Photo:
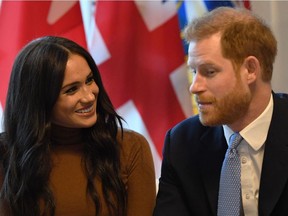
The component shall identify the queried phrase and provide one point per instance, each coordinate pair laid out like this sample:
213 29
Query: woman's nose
87 95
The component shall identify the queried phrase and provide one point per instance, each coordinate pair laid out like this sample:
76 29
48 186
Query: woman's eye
89 80
71 90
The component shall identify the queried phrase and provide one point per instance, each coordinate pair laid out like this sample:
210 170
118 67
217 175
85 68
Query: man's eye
210 72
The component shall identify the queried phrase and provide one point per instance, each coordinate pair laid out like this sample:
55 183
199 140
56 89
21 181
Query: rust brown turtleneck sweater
68 181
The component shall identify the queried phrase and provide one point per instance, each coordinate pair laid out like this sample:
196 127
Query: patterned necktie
229 200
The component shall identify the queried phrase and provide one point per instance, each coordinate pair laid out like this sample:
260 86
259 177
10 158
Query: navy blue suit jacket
192 160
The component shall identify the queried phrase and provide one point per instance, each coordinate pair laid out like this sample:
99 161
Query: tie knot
234 141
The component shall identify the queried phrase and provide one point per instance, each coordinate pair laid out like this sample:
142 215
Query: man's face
221 95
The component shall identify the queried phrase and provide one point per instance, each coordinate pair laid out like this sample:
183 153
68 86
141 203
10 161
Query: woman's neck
66 136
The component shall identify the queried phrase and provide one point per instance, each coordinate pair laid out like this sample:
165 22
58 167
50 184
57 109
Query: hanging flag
22 21
142 63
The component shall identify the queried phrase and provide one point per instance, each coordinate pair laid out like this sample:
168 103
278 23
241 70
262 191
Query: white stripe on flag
194 9
180 83
59 9
156 13
94 39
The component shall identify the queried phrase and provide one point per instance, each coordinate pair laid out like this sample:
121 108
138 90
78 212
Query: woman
63 150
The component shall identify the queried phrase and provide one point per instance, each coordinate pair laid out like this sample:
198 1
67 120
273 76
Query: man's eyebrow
194 64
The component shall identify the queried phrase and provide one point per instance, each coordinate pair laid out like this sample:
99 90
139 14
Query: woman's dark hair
36 79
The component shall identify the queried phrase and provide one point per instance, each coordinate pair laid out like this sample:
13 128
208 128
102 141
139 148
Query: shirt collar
256 132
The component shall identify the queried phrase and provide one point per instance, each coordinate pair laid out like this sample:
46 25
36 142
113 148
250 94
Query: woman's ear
252 66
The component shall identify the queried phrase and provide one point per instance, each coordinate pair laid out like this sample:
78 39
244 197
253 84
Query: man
231 53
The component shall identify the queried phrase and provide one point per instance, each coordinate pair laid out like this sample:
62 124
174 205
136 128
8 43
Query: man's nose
198 84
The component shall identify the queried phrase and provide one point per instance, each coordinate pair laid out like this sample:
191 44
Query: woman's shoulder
131 139
132 142
129 134
135 155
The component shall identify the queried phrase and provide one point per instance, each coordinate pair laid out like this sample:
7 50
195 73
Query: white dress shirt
251 151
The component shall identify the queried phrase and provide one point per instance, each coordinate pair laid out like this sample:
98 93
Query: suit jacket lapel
275 162
213 150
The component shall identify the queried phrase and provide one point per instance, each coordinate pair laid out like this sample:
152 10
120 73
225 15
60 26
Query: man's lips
204 104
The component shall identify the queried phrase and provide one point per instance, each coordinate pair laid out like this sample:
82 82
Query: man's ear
252 66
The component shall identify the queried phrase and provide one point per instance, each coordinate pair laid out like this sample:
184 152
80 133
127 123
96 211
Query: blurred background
138 47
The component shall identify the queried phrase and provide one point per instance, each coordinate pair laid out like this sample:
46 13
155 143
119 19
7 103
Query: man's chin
206 121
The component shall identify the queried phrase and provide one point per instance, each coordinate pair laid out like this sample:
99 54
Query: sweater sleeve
139 174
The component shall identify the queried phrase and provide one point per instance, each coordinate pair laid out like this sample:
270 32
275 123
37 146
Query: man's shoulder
281 104
192 130
190 126
280 98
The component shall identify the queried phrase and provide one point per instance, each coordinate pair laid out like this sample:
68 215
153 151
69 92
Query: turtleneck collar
66 136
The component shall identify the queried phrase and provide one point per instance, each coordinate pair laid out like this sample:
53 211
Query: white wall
276 15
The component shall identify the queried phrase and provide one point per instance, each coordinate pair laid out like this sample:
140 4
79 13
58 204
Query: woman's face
77 101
